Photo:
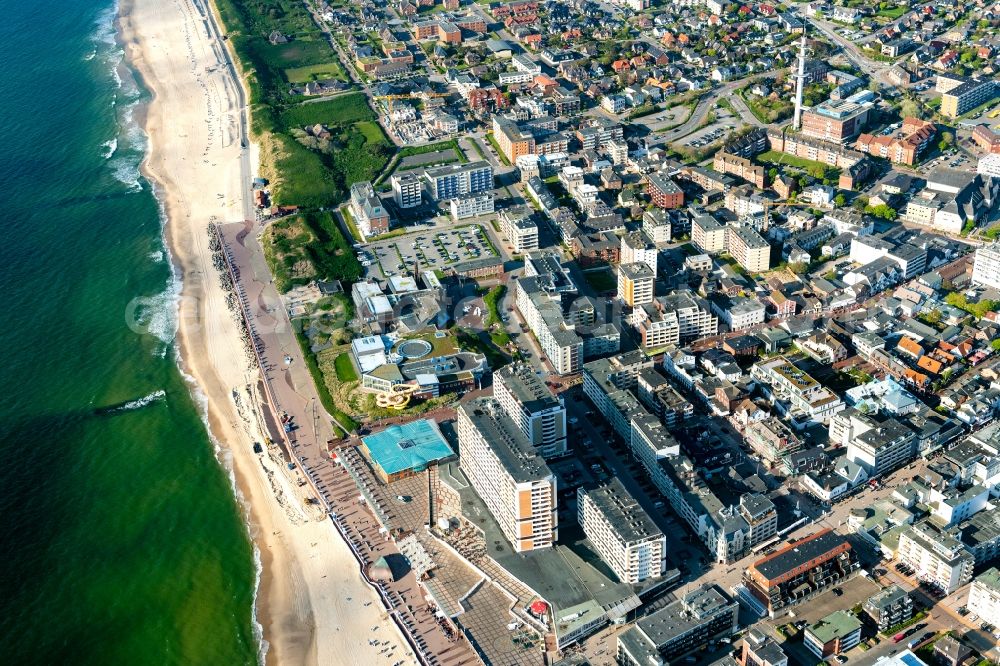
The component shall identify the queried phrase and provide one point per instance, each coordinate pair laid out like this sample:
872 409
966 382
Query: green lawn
492 301
775 157
893 13
496 147
602 280
370 130
345 368
339 110
327 70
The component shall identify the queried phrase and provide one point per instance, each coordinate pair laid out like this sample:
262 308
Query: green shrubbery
301 172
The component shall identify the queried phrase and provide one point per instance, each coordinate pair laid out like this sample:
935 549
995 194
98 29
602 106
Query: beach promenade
291 396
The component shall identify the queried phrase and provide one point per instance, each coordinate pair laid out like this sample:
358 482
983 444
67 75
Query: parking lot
432 249
725 122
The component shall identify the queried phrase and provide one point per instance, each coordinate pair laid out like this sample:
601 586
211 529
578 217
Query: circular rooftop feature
414 349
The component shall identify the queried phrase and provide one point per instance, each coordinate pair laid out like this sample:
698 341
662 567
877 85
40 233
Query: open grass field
893 13
308 73
301 171
318 174
371 131
339 110
345 368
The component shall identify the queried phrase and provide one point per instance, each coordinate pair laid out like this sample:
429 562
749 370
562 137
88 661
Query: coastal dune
312 604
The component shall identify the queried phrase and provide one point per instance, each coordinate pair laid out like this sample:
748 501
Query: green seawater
121 540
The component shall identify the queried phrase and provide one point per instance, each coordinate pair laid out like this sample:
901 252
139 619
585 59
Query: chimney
800 81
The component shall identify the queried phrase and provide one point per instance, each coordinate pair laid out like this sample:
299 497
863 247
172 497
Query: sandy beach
312 603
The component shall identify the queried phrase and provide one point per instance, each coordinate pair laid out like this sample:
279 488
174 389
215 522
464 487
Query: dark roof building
800 569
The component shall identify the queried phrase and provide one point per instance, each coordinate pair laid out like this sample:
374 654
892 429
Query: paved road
873 68
707 103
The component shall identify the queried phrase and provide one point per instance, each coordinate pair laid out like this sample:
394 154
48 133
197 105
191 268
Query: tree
840 199
883 212
798 267
946 140
933 317
909 109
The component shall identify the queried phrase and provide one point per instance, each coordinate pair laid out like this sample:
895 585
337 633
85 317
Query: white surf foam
110 146
125 169
139 403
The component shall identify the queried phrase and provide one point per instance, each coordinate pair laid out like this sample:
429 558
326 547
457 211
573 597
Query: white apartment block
508 475
986 268
882 447
748 248
708 233
507 78
634 5
406 189
471 205
741 313
537 413
623 534
456 180
936 557
806 397
543 314
637 248
523 63
658 225
989 165
520 229
984 594
674 319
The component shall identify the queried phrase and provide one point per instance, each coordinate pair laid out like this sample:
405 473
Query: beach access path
312 604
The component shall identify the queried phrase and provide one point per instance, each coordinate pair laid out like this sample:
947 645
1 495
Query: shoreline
125 34
305 575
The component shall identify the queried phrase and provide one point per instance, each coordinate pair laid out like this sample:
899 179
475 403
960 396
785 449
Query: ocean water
121 540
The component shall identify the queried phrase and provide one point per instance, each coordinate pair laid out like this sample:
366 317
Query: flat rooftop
510 446
529 389
410 446
796 554
683 615
622 511
835 625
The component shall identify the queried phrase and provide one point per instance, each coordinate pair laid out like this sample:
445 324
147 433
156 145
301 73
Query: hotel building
937 557
623 534
508 474
457 180
537 413
635 284
800 569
